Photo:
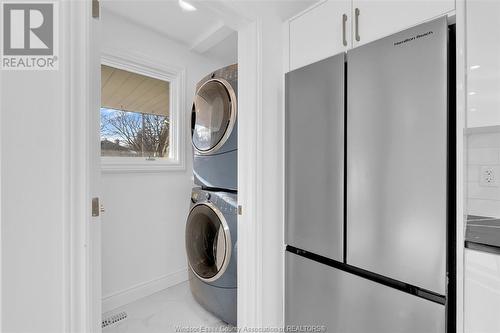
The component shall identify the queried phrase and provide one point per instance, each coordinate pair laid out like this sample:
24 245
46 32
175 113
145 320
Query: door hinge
240 210
96 208
95 9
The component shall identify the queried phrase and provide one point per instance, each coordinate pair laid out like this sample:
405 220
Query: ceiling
127 91
284 9
210 30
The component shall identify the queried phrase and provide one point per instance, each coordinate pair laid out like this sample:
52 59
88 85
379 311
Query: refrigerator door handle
344 20
356 23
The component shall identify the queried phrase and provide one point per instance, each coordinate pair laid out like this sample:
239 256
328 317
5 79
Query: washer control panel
225 202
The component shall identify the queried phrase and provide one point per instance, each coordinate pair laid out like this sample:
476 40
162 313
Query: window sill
117 165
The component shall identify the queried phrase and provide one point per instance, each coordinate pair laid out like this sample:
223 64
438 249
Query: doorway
149 76
260 255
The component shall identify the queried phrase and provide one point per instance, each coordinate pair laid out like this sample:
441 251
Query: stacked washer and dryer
211 228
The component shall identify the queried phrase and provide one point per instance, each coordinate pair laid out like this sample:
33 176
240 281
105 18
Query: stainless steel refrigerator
369 170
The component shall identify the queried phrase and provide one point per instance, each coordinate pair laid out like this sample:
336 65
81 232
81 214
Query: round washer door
208 242
213 115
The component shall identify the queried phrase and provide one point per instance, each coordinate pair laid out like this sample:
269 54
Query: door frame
83 313
461 159
77 31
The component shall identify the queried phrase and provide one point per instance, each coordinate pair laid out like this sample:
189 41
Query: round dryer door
208 242
213 115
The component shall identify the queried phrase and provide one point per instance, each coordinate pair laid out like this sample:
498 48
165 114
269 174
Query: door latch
96 208
95 9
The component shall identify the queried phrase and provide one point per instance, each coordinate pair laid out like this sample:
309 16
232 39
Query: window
141 123
134 134
134 115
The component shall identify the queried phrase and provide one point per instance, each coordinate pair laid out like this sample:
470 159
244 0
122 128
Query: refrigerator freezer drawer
314 166
317 294
397 156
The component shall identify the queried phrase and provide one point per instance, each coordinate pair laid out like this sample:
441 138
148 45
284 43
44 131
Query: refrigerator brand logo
29 36
409 39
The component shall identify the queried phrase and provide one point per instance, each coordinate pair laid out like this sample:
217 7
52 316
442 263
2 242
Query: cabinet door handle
344 20
356 23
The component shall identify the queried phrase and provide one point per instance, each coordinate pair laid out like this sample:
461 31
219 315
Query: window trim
141 64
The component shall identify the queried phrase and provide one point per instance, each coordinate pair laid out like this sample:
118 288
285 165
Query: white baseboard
140 290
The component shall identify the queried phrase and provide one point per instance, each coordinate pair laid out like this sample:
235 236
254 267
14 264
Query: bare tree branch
146 134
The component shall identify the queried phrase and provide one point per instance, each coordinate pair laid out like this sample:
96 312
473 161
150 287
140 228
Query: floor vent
113 319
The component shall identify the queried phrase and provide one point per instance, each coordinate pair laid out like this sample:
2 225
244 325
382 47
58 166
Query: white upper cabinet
374 19
333 26
483 63
320 32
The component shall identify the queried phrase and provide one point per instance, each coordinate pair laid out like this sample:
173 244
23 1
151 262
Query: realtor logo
29 41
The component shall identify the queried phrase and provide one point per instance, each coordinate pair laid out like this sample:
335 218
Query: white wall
483 151
143 226
33 198
272 201
32 146
260 158
482 270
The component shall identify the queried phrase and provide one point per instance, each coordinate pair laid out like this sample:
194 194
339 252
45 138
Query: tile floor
165 312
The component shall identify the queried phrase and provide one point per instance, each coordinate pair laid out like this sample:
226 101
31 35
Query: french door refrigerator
369 174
